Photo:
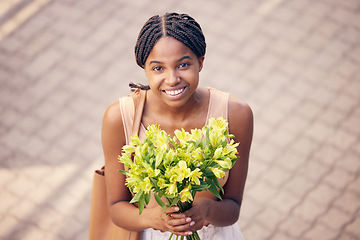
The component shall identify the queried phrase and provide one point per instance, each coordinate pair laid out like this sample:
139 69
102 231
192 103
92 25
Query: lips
175 92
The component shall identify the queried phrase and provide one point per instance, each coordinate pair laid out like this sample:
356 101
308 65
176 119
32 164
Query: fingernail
189 233
192 223
188 219
176 209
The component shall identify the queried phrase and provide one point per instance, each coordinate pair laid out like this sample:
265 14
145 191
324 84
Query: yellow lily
218 172
185 195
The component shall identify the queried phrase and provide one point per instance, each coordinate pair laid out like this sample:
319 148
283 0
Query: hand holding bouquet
176 168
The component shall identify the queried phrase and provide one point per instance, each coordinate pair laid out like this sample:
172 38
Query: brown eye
157 68
184 65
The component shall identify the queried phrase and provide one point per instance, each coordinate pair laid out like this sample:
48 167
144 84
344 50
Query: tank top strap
218 104
126 105
219 107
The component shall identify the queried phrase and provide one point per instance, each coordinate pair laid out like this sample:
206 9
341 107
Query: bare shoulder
112 131
112 114
240 119
239 111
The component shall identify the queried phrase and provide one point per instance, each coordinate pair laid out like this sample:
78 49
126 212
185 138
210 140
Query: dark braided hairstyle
182 27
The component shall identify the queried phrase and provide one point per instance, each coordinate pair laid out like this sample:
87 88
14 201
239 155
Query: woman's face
173 71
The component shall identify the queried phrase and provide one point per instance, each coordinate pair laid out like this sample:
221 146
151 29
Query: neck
179 113
192 112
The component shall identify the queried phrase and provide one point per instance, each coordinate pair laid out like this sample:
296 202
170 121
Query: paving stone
309 210
256 169
331 117
353 227
276 177
43 63
349 164
294 227
338 178
335 219
354 186
348 236
279 236
35 233
319 231
342 139
298 185
257 232
37 45
348 202
285 202
270 218
323 194
7 223
250 208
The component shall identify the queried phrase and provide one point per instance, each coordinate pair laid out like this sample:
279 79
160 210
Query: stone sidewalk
297 63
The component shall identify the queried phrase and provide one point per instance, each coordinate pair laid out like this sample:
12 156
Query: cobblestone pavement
297 63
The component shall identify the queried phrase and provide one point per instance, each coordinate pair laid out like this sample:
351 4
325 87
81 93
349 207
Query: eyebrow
184 57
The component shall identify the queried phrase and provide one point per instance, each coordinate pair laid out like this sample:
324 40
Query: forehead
168 48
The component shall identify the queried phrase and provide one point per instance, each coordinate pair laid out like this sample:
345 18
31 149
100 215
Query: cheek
154 80
190 75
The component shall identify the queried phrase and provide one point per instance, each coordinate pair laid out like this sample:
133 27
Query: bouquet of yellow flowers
176 168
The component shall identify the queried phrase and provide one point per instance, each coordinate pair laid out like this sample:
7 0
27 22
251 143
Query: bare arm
123 213
226 212
113 138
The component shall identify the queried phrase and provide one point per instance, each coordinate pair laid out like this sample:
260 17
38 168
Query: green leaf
207 135
147 197
213 188
217 184
208 173
137 197
154 182
200 187
123 172
160 202
141 205
174 201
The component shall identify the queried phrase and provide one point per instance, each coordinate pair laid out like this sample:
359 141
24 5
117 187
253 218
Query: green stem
194 236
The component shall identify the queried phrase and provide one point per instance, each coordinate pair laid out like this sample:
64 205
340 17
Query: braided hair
182 27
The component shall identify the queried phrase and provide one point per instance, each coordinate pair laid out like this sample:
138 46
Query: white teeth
175 92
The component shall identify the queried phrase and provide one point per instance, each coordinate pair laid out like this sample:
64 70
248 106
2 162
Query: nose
172 78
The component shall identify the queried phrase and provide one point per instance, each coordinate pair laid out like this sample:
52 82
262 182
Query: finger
181 230
170 210
177 215
179 221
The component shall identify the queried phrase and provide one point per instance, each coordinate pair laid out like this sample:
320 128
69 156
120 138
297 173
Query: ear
201 62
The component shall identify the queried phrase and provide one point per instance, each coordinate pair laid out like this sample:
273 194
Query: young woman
171 50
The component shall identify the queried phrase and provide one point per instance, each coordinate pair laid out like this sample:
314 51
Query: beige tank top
218 107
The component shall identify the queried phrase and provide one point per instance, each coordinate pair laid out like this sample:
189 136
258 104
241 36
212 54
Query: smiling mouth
175 92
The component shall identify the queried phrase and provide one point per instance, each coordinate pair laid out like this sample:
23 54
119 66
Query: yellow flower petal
172 189
146 185
196 134
186 195
182 136
218 153
195 175
218 172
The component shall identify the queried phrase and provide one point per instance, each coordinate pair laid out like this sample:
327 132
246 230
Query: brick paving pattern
297 63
